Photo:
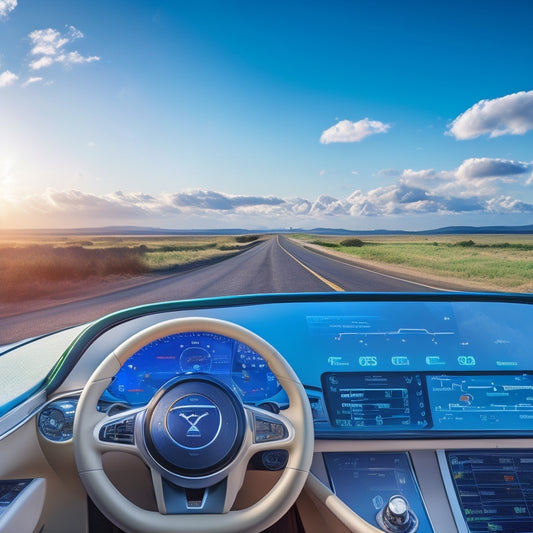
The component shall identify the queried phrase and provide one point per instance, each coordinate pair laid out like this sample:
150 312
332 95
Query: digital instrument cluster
230 361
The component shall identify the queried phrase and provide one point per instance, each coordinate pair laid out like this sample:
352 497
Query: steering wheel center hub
194 426
193 422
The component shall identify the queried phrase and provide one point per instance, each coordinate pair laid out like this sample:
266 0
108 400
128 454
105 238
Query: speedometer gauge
251 376
195 359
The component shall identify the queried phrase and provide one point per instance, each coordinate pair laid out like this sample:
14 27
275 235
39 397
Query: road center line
330 284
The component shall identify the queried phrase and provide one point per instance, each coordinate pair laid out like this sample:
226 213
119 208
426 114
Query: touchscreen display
484 402
495 489
366 481
376 401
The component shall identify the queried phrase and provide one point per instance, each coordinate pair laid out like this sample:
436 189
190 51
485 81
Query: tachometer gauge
251 376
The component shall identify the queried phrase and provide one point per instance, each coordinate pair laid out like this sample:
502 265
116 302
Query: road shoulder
401 272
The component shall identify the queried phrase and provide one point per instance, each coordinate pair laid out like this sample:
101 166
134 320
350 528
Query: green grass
497 262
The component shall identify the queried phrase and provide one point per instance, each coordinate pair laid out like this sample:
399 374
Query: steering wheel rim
88 451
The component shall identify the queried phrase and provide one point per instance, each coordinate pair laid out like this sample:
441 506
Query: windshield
155 141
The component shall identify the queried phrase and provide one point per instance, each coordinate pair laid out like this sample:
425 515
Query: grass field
31 268
489 262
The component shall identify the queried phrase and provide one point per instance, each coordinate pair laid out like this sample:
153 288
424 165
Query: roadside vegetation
488 262
31 268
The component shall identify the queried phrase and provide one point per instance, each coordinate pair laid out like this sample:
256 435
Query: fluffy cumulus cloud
506 204
485 176
484 167
6 6
511 114
49 47
7 78
476 186
346 131
211 200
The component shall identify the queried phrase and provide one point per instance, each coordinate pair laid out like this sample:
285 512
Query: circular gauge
251 376
56 420
195 359
51 423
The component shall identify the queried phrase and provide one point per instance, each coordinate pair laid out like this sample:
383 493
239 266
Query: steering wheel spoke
117 433
175 499
270 430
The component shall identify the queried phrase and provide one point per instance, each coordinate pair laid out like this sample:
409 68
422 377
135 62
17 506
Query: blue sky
354 114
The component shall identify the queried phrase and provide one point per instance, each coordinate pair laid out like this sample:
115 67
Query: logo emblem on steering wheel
193 422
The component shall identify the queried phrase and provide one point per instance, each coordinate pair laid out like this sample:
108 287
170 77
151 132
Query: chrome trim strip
20 414
450 491
23 412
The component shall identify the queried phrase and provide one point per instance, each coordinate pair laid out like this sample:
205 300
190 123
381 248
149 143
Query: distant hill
133 230
139 230
458 230
448 230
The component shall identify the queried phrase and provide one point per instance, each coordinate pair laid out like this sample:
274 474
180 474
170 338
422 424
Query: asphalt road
276 265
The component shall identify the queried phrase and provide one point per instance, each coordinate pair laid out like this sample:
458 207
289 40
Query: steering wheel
197 438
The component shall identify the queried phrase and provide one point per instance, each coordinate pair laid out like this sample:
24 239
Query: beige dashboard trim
341 511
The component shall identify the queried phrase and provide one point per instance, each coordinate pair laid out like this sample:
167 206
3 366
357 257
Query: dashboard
400 369
422 405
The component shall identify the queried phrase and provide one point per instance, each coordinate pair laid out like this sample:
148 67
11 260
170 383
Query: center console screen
366 481
376 401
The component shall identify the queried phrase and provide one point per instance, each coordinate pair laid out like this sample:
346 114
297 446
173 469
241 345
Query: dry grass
33 267
34 271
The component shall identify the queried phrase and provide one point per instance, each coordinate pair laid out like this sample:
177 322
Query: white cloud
49 48
31 81
484 176
212 200
6 6
511 114
327 205
350 132
7 78
47 42
484 167
75 58
389 172
41 63
475 176
506 204
419 178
